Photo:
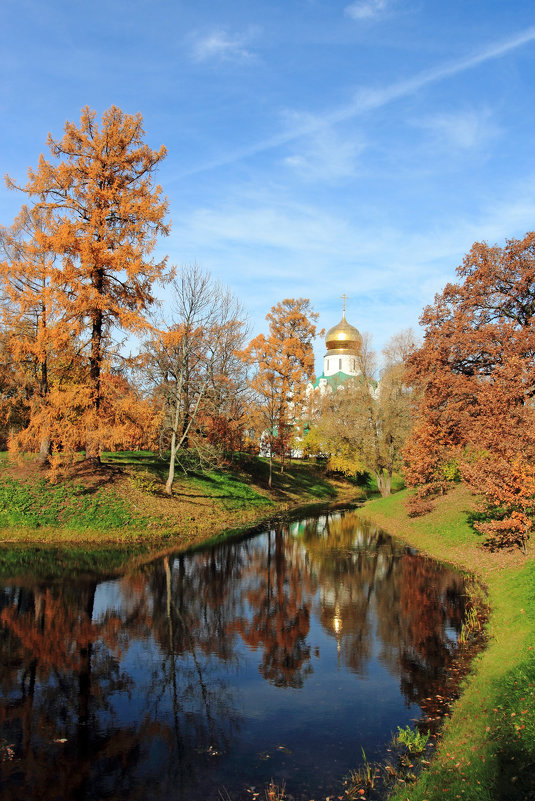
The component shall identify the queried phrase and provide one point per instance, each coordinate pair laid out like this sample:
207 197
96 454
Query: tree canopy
476 370
79 266
282 364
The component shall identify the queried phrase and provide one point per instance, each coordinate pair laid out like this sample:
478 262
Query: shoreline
125 504
487 744
179 538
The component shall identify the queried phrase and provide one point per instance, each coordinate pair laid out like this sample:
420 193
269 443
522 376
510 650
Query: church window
327 364
339 364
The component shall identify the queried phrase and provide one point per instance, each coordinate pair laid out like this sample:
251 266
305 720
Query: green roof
334 380
338 379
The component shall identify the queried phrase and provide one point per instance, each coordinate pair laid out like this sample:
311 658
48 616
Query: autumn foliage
78 272
476 420
281 365
362 426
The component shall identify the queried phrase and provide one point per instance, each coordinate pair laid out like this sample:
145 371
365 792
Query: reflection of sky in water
108 598
221 720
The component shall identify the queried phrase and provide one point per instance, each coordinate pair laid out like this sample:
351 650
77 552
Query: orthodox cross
344 298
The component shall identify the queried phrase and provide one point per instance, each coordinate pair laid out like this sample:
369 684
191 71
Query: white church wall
336 363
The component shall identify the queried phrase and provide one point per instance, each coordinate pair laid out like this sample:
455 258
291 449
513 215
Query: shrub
417 507
413 740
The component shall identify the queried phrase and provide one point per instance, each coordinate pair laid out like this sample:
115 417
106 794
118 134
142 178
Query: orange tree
476 370
36 328
282 364
99 214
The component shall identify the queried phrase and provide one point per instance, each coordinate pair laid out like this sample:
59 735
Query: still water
202 676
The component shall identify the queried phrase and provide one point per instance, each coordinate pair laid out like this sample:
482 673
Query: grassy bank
488 746
123 502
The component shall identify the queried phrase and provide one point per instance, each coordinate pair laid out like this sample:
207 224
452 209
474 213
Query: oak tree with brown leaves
476 370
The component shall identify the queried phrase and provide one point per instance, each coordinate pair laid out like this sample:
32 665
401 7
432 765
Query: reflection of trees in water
192 599
354 564
61 681
277 587
374 588
60 673
432 600
63 672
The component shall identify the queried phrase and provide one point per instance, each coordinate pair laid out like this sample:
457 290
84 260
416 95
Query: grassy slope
124 502
488 745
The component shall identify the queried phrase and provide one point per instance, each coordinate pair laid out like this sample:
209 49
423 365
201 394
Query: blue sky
315 147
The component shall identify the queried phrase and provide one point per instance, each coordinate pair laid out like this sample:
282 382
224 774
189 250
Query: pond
204 675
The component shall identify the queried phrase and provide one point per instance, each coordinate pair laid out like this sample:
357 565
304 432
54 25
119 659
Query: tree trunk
384 482
84 678
95 364
44 450
171 473
45 444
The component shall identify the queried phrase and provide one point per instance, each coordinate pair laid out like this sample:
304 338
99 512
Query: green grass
229 489
487 751
33 510
40 504
296 478
448 525
146 462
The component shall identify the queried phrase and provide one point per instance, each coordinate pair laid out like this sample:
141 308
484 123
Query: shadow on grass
142 460
242 471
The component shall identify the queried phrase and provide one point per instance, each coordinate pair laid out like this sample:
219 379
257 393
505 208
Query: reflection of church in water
340 363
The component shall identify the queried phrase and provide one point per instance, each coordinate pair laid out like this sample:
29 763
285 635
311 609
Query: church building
340 362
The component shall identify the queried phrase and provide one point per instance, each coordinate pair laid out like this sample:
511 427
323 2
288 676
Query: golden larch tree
100 215
282 365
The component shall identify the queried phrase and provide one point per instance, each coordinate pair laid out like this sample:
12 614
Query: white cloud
327 156
465 130
366 9
270 237
268 247
221 45
370 99
290 228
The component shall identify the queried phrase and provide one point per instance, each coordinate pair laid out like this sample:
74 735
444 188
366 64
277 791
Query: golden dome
343 337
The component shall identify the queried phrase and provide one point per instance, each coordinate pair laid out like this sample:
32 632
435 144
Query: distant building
340 365
341 361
